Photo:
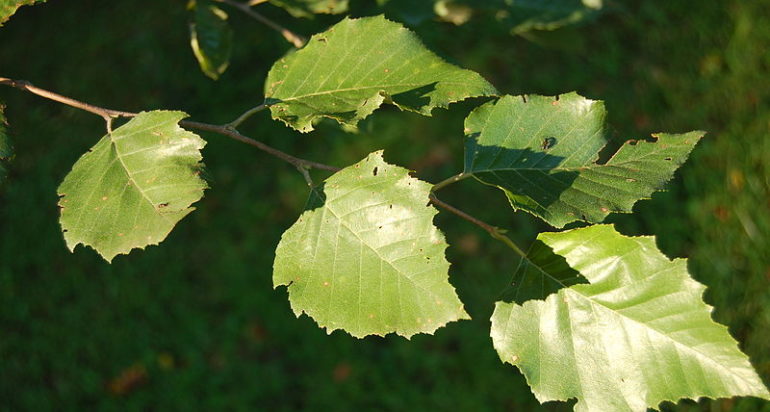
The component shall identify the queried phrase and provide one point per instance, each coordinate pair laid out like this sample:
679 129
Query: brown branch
493 231
293 38
227 130
230 132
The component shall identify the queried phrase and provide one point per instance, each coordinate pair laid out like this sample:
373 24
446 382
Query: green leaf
9 7
6 150
638 335
542 152
211 38
307 8
366 257
540 274
133 186
519 15
348 71
526 15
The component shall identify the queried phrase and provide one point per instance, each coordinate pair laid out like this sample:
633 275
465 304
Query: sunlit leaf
9 7
307 8
211 38
357 65
366 258
133 186
637 335
543 151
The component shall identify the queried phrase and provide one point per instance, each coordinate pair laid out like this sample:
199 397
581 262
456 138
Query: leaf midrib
131 179
646 326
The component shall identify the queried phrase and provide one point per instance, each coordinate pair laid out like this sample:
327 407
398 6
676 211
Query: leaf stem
493 231
242 118
106 114
293 38
448 181
303 165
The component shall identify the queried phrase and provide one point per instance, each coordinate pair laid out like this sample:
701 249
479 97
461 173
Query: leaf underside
638 335
131 188
9 7
366 257
543 151
307 8
6 150
348 71
211 38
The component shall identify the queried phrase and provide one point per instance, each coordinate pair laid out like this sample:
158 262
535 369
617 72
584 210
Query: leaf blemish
374 172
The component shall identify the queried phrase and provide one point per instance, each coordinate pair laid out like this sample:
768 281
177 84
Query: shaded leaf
307 8
366 258
211 38
133 186
519 16
526 15
348 71
9 7
6 150
543 151
540 274
638 335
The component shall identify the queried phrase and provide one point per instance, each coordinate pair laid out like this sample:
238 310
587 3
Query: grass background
195 323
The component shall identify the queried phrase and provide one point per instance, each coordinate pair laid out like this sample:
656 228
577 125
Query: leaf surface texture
131 188
348 71
9 7
366 257
637 335
543 152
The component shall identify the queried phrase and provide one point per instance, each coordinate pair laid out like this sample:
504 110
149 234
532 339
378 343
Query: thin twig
227 131
448 181
106 114
306 174
493 231
293 38
242 118
303 165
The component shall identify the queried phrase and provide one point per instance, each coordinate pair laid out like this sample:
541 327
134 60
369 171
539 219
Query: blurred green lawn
195 323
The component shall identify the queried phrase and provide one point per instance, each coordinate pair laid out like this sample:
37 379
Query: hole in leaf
548 143
374 172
